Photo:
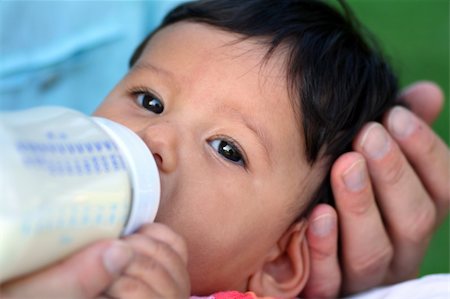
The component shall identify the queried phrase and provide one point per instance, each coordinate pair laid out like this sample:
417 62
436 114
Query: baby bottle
66 180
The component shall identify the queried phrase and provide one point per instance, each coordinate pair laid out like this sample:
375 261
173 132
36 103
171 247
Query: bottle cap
143 170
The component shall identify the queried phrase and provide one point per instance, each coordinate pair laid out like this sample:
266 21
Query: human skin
85 275
231 214
411 171
158 267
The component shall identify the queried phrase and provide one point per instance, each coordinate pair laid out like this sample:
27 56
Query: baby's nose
158 160
162 141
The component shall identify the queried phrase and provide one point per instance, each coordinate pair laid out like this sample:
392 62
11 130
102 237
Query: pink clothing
436 286
232 295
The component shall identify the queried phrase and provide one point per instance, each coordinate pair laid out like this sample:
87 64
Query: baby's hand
158 268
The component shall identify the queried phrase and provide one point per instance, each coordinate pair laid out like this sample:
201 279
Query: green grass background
415 36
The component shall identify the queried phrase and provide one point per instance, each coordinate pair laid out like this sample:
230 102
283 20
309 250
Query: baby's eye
150 102
228 150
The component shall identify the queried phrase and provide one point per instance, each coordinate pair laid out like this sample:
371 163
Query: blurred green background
415 36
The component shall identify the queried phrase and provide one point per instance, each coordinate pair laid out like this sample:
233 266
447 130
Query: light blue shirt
69 53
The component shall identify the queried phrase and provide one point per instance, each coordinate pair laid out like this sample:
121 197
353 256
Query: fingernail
117 257
355 176
400 122
322 225
375 142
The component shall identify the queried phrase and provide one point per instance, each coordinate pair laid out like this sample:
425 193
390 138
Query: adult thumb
83 275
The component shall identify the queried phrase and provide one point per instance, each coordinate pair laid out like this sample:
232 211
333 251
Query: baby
244 105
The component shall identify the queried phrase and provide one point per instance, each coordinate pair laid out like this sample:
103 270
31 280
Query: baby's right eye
150 102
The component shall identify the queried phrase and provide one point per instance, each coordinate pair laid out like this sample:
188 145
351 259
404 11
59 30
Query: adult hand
391 193
83 275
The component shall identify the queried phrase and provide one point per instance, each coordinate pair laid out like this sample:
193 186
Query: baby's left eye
150 102
228 150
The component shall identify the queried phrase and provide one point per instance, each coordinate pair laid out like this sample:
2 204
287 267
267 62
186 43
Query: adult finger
84 275
427 153
425 99
407 209
366 248
325 274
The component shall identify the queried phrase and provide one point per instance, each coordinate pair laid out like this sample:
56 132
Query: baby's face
229 151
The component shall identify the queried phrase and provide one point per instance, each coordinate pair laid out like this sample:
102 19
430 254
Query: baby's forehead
246 77
227 51
225 45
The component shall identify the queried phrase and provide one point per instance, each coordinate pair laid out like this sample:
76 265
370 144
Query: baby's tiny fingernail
401 122
117 257
322 225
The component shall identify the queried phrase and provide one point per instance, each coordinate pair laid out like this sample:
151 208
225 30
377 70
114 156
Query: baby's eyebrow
259 132
147 66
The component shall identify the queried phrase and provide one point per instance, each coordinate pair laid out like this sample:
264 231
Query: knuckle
129 286
147 264
420 228
177 246
372 264
161 249
321 255
430 146
361 206
395 170
161 234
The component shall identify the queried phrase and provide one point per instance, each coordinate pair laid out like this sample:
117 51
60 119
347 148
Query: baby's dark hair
337 79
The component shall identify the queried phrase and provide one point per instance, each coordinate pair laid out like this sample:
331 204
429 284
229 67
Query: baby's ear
286 269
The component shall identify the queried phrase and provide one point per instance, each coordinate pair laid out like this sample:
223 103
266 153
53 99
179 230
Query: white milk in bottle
67 180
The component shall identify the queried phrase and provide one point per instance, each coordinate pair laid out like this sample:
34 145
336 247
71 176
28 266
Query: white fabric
435 286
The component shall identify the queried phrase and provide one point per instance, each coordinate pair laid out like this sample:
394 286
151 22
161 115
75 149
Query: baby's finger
158 278
130 288
157 258
366 249
427 153
166 235
325 277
